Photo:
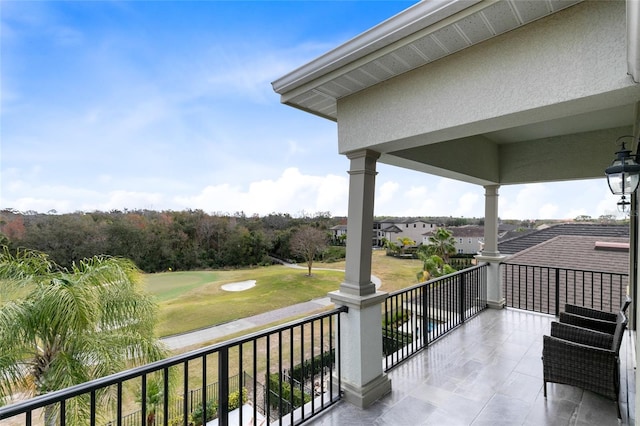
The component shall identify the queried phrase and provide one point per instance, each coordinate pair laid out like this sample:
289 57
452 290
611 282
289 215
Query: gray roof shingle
520 243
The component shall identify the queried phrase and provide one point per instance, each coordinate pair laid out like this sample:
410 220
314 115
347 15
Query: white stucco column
490 253
363 378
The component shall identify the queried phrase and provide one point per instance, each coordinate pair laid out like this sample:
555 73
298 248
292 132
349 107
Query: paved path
206 334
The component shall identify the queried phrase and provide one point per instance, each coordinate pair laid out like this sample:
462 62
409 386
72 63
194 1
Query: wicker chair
592 319
584 358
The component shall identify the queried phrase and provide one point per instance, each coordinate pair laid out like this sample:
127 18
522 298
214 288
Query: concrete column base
363 379
495 295
496 304
364 396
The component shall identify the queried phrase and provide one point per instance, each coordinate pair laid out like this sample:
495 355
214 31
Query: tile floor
487 372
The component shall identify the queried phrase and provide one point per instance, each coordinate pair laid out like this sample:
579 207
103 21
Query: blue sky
167 105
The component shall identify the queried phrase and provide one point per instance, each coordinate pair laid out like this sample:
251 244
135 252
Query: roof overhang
530 144
421 34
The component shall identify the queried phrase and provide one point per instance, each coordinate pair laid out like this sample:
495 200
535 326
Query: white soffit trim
417 17
633 39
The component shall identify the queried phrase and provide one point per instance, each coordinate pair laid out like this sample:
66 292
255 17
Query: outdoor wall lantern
623 175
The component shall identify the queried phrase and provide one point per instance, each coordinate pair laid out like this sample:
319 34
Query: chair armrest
588 312
581 335
608 327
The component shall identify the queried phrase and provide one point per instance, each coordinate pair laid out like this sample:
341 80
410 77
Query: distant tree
441 243
307 242
607 218
62 327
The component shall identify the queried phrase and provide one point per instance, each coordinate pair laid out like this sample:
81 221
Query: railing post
462 298
223 390
557 292
425 315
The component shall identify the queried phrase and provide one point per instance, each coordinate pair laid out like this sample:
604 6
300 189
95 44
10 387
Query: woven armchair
592 319
584 358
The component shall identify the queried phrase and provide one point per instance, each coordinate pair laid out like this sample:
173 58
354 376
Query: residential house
539 91
338 232
394 229
468 238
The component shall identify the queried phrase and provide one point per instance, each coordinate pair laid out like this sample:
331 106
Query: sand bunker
239 286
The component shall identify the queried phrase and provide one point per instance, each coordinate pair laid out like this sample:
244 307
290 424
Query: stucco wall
575 60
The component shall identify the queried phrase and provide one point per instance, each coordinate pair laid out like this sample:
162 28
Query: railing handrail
53 397
623 274
444 277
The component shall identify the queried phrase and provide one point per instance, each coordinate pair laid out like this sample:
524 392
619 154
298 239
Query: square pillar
490 253
363 379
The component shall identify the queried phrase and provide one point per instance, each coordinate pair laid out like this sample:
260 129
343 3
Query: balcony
487 372
451 361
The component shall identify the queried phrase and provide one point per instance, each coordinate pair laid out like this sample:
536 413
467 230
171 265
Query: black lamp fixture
623 175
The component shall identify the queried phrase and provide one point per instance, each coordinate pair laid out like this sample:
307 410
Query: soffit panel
478 22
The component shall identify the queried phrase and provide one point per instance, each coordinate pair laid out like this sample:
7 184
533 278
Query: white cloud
525 203
294 148
291 192
120 200
469 204
385 194
548 210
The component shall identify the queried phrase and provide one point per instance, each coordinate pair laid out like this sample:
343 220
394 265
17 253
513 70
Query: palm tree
62 327
433 266
442 244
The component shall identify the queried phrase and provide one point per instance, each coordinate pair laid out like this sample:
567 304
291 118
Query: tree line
160 240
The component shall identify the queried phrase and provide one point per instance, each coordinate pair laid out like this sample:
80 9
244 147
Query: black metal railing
418 315
547 289
259 357
236 384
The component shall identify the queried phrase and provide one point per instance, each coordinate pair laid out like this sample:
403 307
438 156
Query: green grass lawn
194 299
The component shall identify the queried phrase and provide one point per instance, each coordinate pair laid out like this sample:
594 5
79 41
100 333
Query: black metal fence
416 316
236 383
547 289
182 376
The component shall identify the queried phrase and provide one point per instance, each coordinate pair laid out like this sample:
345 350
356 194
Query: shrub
393 340
234 399
212 408
176 421
310 368
212 412
298 397
334 254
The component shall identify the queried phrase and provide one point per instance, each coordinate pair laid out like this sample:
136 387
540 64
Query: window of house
460 240
414 225
460 251
469 240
